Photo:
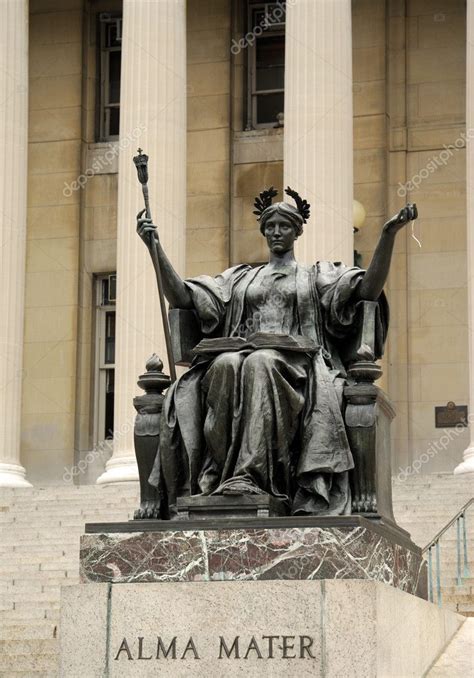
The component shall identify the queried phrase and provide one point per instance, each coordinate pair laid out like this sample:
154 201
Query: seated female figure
268 420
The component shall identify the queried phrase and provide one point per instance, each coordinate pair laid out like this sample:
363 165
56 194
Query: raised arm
175 290
373 282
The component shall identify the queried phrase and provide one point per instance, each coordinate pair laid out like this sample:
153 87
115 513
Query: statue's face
280 234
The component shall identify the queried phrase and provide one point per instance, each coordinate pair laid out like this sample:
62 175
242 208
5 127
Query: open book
280 342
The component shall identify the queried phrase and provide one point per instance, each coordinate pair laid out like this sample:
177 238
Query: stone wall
48 407
426 113
208 171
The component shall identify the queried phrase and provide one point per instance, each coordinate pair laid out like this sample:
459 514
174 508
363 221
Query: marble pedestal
321 629
248 549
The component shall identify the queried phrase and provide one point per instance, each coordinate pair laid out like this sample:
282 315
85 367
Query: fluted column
153 114
467 465
318 124
13 181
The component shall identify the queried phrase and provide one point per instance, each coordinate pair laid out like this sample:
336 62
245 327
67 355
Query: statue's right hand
146 229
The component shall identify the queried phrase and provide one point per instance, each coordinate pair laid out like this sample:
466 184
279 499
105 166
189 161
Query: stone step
44 599
35 629
454 492
29 646
25 572
21 585
453 589
37 553
33 662
422 514
73 510
24 614
62 488
12 568
54 566
69 537
460 603
55 500
41 575
465 607
453 495
433 504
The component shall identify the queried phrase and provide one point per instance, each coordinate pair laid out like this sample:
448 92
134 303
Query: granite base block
324 549
250 628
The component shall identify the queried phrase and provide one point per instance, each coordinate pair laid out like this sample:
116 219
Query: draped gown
265 420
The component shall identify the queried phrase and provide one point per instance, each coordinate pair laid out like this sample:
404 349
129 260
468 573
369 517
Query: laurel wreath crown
265 198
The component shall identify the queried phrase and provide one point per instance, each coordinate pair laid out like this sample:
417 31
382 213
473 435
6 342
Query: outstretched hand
146 229
398 221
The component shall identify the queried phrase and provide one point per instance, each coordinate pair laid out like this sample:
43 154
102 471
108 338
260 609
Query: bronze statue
260 410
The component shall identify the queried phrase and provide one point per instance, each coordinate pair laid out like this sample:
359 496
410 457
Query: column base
121 470
467 465
13 475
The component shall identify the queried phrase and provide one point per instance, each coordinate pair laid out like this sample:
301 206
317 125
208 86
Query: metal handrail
433 541
462 571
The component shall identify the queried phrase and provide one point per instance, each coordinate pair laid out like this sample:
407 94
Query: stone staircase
423 505
39 552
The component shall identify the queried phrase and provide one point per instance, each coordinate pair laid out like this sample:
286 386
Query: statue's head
284 212
281 224
281 215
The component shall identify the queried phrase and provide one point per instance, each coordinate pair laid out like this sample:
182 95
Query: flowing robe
268 421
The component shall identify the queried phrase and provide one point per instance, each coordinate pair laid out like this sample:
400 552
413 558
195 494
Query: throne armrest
185 334
365 344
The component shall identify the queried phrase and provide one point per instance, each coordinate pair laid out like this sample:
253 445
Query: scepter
141 163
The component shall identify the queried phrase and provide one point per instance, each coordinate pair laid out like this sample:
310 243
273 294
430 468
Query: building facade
343 101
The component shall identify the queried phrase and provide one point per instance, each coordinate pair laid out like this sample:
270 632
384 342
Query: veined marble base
273 548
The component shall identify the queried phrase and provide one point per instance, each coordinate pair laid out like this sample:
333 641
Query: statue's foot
239 486
149 510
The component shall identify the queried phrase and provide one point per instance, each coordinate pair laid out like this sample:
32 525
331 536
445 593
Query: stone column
467 465
318 124
13 201
152 116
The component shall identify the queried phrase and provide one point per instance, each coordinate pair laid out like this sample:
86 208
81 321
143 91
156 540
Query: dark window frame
106 20
253 93
104 358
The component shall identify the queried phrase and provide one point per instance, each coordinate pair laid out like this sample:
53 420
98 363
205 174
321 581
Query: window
105 357
266 64
110 28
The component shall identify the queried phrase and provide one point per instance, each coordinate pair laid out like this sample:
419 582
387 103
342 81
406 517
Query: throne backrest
185 334
363 345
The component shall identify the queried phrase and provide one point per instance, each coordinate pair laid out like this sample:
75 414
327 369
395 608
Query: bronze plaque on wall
450 415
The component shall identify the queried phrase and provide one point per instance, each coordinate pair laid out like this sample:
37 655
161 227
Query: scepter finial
141 163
